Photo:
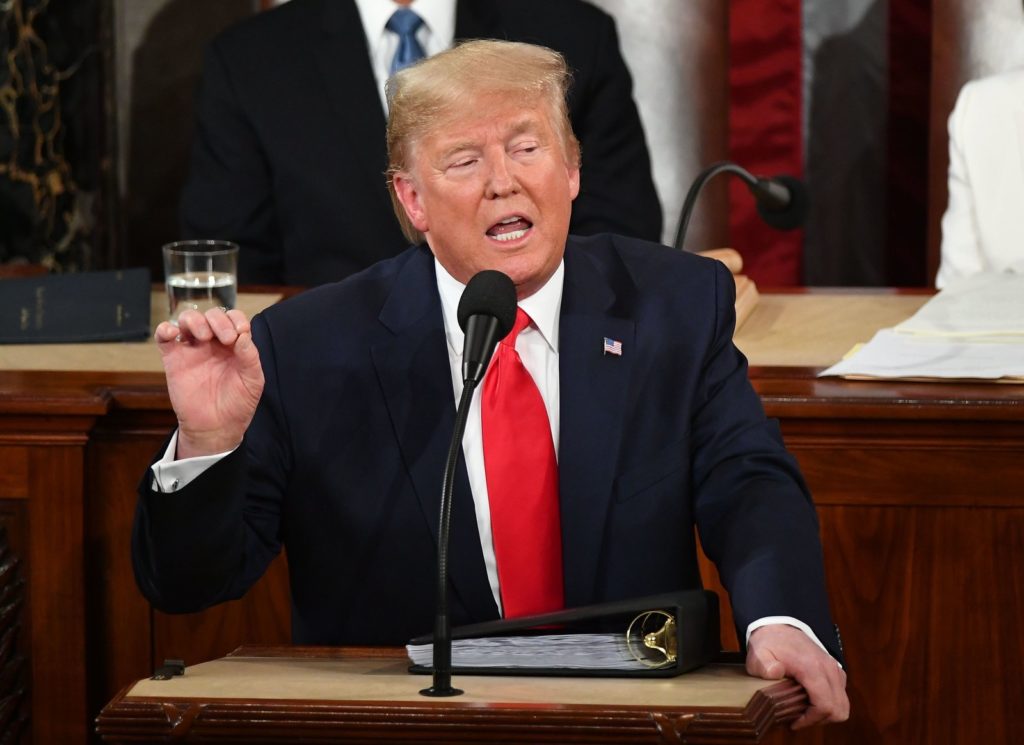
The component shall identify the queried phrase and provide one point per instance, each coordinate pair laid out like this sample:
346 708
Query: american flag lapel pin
612 346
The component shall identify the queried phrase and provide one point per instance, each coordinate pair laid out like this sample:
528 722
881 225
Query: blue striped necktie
405 23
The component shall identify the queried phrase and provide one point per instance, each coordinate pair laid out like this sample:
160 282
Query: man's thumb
774 670
766 667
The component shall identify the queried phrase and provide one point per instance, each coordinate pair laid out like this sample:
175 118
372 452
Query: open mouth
510 229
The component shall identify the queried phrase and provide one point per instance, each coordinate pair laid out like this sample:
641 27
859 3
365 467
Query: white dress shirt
537 345
435 35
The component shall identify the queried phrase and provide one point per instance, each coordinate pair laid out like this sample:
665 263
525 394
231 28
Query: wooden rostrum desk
919 489
300 694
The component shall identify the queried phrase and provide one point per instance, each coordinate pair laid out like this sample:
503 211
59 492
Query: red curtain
910 52
765 130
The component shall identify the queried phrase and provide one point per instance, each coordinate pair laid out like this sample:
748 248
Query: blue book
78 307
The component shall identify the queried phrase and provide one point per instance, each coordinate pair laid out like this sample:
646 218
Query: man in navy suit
323 425
288 158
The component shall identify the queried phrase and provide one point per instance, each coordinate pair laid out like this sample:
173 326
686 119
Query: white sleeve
960 252
169 474
789 621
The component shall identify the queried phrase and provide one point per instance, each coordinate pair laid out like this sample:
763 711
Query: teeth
510 236
507 220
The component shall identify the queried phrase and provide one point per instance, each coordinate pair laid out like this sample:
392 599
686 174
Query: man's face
491 189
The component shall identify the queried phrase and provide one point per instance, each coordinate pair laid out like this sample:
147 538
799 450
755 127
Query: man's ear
574 181
409 196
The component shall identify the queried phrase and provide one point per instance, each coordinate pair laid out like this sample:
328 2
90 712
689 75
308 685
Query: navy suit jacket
342 464
289 152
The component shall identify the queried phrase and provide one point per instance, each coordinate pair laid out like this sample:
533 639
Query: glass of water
200 274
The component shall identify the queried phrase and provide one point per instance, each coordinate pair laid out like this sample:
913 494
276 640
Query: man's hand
778 650
214 378
728 256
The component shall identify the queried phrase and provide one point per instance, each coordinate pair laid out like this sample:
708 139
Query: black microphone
782 200
487 311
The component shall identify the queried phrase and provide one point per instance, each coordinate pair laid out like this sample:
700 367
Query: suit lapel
593 389
344 62
415 378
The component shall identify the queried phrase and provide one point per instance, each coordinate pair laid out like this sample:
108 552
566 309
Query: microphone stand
695 188
442 627
486 313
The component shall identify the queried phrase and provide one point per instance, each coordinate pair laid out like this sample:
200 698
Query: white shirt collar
543 306
437 15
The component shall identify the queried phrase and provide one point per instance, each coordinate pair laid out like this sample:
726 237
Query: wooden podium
305 694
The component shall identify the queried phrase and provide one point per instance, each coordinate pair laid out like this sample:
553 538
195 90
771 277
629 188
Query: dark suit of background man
323 426
289 154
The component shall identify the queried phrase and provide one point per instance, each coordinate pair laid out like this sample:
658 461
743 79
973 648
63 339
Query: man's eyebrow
459 147
526 124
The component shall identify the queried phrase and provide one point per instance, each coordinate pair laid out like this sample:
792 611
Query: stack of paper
974 328
570 651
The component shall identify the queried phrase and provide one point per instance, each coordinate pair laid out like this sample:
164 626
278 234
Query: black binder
696 633
77 307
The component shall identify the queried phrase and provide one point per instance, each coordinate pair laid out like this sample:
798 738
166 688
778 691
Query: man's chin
527 278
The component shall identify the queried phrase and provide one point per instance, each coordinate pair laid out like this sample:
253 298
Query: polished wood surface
816 328
917 486
287 695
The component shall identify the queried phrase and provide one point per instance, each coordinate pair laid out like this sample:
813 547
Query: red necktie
522 484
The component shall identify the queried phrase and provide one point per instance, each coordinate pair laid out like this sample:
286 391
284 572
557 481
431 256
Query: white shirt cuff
170 475
789 621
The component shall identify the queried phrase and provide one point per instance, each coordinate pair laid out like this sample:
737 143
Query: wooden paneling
918 489
14 643
73 447
919 493
44 426
887 472
13 473
120 636
56 580
929 602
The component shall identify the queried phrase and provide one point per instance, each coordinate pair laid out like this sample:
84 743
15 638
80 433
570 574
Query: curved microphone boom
781 200
487 311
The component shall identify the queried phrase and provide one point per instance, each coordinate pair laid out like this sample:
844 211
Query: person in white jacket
983 227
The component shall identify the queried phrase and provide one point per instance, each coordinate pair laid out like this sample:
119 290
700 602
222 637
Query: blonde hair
425 96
